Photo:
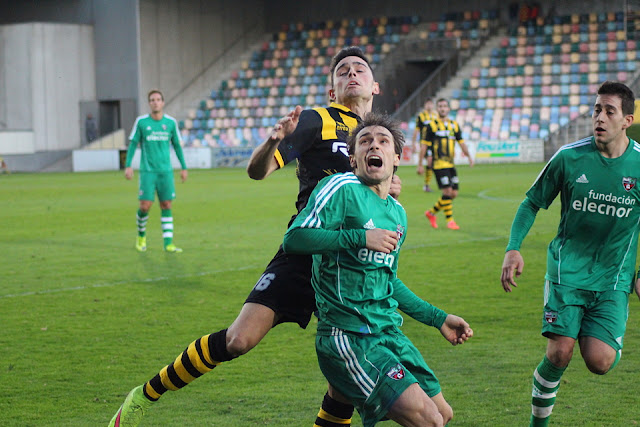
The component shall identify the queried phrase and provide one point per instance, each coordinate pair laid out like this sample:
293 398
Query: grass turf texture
85 318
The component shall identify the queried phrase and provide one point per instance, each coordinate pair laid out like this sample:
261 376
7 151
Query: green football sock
546 381
167 226
141 220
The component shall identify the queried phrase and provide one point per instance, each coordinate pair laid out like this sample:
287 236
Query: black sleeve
308 129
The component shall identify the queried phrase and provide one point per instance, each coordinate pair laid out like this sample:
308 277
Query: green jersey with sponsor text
354 287
155 138
596 245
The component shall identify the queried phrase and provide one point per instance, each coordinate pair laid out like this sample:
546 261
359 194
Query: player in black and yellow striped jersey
316 140
443 133
422 121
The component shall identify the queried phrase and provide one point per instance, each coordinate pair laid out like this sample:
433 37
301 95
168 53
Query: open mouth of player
374 161
599 130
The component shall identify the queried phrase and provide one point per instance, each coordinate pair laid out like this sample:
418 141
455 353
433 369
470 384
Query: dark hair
344 52
383 120
621 90
442 99
152 91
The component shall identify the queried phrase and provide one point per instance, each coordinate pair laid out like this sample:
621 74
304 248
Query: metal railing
429 87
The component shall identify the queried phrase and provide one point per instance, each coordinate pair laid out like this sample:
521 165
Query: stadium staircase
524 83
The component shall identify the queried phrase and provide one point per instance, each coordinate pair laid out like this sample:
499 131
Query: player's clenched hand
380 240
286 125
396 186
512 265
456 330
128 173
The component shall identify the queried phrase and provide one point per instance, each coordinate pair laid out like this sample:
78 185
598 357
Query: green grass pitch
85 318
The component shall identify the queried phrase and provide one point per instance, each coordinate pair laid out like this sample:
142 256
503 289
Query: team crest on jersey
164 127
400 231
628 183
396 373
551 316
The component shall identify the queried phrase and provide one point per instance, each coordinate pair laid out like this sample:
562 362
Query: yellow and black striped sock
447 206
440 204
334 413
200 357
428 175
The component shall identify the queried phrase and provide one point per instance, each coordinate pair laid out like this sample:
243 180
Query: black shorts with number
285 287
447 177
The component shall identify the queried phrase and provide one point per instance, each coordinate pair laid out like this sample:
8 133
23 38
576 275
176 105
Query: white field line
124 282
484 194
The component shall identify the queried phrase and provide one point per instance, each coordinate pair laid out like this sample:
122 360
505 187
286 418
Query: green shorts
160 182
576 313
372 371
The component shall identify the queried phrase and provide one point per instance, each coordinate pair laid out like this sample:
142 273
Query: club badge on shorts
396 373
550 316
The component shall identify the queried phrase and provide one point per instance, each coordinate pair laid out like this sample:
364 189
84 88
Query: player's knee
239 344
599 366
429 415
560 356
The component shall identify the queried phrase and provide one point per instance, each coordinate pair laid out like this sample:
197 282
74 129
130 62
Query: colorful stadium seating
544 75
290 70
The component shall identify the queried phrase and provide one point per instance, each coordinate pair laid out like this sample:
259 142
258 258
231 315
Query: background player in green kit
591 262
355 230
154 132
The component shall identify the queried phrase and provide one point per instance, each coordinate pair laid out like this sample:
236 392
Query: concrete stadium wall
47 69
185 45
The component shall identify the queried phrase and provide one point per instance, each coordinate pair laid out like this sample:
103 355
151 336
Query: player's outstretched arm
456 330
465 150
511 266
262 162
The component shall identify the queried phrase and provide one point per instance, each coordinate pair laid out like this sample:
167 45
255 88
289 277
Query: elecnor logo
587 204
366 255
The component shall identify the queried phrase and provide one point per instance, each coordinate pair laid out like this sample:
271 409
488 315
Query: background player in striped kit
441 136
422 121
591 261
355 230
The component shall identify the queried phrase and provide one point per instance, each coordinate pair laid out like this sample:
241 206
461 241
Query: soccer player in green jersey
355 229
154 133
591 261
